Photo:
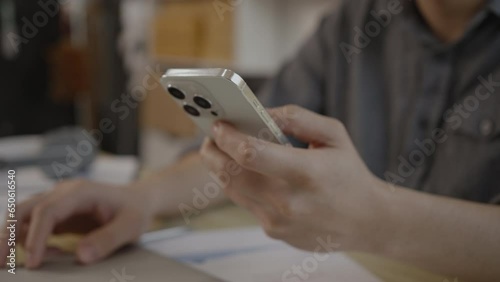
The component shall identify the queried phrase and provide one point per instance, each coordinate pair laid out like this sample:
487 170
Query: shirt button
486 127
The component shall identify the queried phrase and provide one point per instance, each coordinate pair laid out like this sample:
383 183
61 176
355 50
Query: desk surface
232 216
387 270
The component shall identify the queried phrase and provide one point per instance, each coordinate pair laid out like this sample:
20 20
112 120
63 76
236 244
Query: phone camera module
176 93
191 110
202 102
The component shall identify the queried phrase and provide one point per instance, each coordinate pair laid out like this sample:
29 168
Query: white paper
113 169
248 255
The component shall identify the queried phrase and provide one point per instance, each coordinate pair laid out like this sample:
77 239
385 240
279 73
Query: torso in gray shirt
422 114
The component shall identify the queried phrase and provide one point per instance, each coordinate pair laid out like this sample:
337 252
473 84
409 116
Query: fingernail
87 254
216 127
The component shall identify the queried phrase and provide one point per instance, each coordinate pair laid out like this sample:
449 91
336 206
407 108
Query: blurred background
71 69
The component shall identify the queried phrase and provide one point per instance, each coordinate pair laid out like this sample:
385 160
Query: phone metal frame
237 80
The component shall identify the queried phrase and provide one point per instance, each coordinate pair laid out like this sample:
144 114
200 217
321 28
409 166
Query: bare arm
453 237
185 187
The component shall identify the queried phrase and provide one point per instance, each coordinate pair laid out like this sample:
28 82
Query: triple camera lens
200 101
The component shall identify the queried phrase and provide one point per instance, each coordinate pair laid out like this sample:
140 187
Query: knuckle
290 113
306 177
280 204
291 110
246 154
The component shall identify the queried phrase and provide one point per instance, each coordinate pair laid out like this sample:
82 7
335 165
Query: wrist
148 194
378 223
396 209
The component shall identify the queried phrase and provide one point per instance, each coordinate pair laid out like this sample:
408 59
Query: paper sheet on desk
248 255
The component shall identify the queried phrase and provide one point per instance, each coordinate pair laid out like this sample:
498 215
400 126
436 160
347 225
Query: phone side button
275 129
257 104
269 121
263 114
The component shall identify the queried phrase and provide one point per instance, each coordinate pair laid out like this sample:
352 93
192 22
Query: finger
213 158
52 210
258 155
239 180
310 127
107 239
243 200
22 214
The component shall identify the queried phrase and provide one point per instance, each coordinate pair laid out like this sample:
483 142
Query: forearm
453 237
183 183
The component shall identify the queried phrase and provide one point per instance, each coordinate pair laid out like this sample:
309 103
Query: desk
387 270
232 216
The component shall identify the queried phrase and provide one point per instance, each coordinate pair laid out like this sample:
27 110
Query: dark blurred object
69 73
49 82
26 106
109 78
63 153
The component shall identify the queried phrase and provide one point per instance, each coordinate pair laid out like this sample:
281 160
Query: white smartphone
209 95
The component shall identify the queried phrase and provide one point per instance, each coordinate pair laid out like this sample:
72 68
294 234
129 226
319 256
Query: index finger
310 127
261 156
45 216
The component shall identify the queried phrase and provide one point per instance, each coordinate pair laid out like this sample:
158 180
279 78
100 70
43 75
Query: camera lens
176 93
202 102
191 110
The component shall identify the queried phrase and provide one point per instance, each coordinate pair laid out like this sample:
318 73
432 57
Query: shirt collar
493 5
414 21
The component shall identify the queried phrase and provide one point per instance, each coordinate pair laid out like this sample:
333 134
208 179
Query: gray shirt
422 114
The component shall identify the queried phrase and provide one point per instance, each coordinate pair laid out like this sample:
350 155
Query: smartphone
210 95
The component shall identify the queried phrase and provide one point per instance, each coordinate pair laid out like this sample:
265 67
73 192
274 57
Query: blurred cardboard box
193 30
185 34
